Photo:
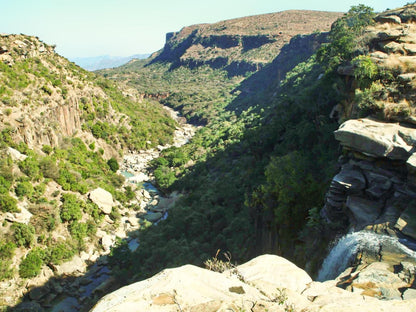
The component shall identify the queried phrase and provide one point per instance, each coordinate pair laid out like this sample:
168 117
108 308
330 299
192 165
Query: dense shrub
49 168
6 253
165 177
4 185
24 235
24 189
113 164
32 263
8 203
71 208
60 252
47 149
30 167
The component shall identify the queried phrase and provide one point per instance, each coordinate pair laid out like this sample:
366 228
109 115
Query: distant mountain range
105 61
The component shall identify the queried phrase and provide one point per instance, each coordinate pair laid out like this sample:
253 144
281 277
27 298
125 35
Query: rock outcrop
103 199
377 139
266 283
376 181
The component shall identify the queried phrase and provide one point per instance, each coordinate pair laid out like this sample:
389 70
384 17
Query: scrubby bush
60 252
165 177
78 230
6 253
30 167
24 189
113 164
49 168
71 208
24 235
32 263
8 203
4 185
47 149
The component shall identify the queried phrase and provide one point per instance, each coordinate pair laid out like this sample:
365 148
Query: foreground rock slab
266 283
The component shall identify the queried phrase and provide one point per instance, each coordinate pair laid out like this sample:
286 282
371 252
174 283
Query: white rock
15 154
139 178
107 241
20 217
275 271
75 265
103 199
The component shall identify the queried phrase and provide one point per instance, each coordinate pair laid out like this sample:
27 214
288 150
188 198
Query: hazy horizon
122 28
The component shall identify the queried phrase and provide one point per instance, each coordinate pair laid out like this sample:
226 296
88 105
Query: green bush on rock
32 263
8 203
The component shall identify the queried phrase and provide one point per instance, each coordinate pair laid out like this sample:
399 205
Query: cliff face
376 184
240 45
41 92
375 189
44 98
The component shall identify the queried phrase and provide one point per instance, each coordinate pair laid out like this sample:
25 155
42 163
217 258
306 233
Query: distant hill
105 61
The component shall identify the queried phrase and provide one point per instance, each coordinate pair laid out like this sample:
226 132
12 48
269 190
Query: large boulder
377 139
274 271
103 199
186 287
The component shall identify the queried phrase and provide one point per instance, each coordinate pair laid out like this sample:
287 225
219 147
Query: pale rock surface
185 287
103 199
15 154
139 178
20 217
285 273
253 286
69 267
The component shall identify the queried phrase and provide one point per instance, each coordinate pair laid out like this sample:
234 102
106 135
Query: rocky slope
45 98
266 283
240 45
62 129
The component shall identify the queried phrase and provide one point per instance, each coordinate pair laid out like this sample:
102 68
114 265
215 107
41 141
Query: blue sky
83 28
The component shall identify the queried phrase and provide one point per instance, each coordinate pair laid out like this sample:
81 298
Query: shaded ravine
77 291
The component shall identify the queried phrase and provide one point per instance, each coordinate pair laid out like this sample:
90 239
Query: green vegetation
262 163
8 204
32 263
113 164
6 253
24 235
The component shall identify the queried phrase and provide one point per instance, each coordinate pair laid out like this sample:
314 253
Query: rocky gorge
71 285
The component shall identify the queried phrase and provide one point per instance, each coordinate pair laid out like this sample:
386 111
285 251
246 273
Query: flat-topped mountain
244 44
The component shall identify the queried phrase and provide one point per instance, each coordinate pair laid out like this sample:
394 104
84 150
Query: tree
344 35
113 164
